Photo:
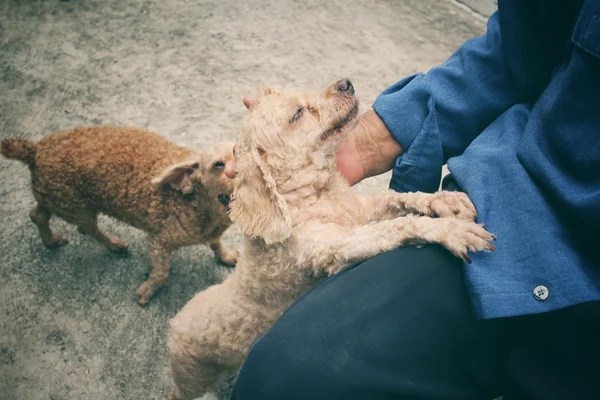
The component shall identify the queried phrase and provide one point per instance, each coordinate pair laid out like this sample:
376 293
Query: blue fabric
516 115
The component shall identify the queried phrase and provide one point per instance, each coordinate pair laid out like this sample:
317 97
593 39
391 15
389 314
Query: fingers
230 170
230 167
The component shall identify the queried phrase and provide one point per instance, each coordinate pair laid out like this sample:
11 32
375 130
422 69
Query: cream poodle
301 222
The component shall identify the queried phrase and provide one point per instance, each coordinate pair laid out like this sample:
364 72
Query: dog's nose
345 85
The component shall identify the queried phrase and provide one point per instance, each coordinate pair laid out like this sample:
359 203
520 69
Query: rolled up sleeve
435 116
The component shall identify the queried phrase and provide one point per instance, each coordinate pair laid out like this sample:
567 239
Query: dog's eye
297 115
219 164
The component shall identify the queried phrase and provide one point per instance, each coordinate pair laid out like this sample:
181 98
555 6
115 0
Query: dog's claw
461 237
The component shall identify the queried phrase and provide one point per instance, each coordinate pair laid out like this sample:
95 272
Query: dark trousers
399 326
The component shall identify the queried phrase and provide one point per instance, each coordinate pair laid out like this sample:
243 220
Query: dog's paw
461 236
228 257
117 246
174 395
57 241
145 293
450 204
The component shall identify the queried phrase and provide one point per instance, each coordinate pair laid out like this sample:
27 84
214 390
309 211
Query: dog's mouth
224 199
341 123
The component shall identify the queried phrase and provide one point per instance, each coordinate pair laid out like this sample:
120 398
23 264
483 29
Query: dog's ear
179 176
252 101
258 208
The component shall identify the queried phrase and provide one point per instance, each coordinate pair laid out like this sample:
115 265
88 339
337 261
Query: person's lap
399 326
393 325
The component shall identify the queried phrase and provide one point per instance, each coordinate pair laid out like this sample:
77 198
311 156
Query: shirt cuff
404 107
408 111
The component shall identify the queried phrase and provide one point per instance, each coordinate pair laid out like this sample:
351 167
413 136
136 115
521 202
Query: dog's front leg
224 254
333 248
443 204
159 253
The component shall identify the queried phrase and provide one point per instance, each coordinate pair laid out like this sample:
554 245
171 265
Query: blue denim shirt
516 115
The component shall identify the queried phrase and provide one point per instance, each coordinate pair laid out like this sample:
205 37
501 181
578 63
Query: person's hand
349 162
368 150
230 166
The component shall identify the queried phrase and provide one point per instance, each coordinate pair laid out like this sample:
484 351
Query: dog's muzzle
224 199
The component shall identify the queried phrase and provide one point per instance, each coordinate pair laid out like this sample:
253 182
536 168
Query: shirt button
540 293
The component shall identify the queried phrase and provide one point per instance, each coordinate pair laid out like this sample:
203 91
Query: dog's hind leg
87 224
40 216
193 379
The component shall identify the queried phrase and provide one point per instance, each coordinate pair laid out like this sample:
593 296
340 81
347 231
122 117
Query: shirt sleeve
434 116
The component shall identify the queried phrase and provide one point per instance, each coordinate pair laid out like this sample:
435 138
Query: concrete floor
69 324
483 7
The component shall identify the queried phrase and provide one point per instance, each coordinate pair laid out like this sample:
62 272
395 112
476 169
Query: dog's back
104 169
172 193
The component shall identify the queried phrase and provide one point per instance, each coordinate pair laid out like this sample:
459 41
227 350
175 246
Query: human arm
435 116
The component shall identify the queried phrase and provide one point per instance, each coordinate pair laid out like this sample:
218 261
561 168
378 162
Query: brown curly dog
177 196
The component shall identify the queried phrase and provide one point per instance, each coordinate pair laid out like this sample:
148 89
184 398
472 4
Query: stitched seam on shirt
408 159
585 49
590 27
569 282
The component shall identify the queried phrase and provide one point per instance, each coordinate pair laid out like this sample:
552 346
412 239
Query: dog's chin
342 125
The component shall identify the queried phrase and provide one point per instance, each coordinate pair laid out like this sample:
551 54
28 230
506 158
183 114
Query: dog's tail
19 149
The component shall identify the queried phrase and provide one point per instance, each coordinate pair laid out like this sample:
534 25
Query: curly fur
19 149
136 177
301 222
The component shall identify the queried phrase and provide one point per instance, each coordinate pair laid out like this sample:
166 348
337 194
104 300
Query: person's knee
322 347
271 372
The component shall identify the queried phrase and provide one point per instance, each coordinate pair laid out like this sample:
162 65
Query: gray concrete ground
483 7
69 324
